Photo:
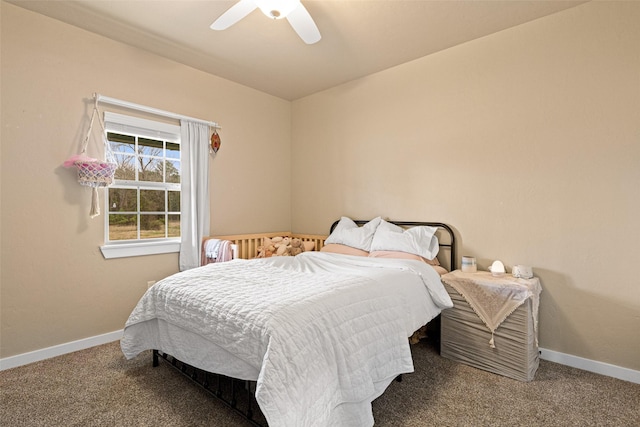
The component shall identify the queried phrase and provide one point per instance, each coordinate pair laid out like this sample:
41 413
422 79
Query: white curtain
194 220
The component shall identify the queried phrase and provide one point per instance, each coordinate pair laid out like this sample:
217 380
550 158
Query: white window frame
130 125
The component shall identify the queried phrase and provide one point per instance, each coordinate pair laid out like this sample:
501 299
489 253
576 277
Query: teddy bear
280 246
296 247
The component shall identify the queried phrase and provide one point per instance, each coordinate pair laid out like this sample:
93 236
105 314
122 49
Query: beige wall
56 287
526 141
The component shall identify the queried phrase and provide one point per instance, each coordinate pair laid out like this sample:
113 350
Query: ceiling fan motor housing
277 9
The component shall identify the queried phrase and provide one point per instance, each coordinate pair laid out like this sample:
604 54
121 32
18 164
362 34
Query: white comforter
322 334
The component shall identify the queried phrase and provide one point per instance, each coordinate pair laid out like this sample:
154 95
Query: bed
314 338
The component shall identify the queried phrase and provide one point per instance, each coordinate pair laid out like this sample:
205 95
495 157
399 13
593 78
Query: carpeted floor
98 387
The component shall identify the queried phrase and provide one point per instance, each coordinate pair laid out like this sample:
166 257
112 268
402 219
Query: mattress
464 338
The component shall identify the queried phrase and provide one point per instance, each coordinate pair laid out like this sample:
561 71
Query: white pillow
420 240
348 233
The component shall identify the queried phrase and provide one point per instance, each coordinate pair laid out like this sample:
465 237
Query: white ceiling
359 37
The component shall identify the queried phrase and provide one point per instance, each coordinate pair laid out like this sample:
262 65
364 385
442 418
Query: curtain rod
138 107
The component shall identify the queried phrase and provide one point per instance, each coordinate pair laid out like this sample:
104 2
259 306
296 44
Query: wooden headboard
446 239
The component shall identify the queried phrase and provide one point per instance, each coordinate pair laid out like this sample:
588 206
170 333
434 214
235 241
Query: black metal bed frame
239 395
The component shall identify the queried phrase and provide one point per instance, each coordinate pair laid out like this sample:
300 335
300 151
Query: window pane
123 200
151 226
152 201
150 147
123 227
150 169
173 171
123 147
126 166
173 150
122 143
174 226
174 201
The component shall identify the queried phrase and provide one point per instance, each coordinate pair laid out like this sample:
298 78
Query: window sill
124 250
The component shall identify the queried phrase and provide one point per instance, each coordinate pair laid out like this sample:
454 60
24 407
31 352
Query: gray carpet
98 387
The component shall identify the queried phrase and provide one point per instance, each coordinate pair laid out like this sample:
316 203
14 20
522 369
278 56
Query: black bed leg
233 393
205 382
247 387
219 390
155 358
399 378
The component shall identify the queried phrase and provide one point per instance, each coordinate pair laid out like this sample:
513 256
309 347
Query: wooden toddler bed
314 338
246 245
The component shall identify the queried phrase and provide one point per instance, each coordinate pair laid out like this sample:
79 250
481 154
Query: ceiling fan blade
234 14
303 24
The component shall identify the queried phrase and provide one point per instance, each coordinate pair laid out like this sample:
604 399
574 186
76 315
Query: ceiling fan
293 10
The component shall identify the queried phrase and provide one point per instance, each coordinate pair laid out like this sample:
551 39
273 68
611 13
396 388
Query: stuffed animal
282 250
267 249
280 243
418 335
280 246
296 247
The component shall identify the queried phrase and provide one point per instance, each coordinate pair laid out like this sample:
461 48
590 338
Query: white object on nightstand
522 271
497 268
469 264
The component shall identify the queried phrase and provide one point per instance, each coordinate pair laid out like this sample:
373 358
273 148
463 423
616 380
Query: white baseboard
58 350
550 355
591 365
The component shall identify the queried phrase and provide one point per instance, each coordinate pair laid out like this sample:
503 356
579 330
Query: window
142 214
